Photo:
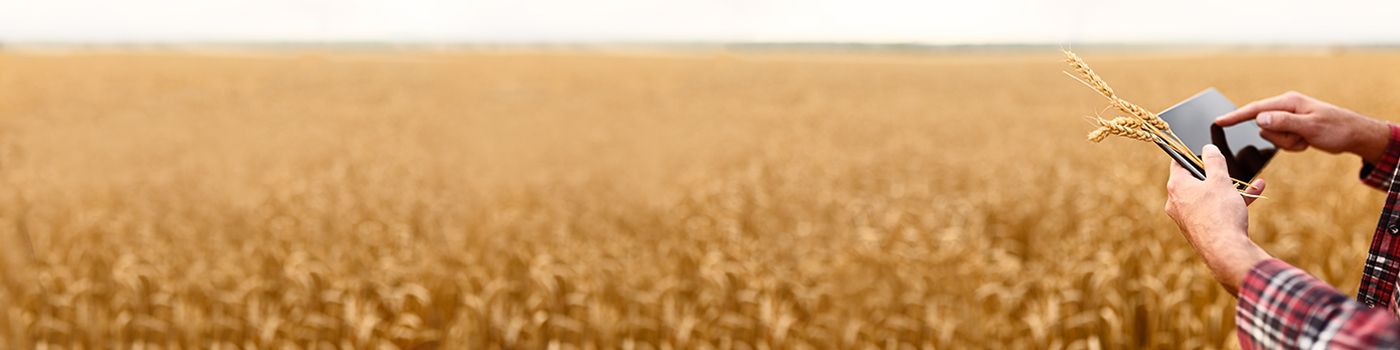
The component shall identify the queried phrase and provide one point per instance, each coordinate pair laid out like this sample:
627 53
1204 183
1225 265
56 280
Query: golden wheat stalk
1153 123
1144 126
1093 80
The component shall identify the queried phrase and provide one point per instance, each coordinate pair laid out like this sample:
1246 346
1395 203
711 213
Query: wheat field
636 200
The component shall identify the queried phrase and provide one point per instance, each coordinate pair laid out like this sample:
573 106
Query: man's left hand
1212 216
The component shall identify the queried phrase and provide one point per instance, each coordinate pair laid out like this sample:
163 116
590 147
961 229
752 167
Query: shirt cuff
1379 175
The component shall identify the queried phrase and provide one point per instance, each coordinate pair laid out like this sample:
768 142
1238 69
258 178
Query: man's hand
1212 216
1294 122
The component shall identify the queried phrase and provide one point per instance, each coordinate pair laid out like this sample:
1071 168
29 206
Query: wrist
1232 264
1372 138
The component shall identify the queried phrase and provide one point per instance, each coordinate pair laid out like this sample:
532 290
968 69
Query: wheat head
1122 126
1098 84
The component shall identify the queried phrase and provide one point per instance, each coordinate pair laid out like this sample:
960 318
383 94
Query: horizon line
723 45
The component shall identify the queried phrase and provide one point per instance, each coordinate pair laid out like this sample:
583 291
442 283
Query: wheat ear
1093 80
1127 122
1154 124
1126 127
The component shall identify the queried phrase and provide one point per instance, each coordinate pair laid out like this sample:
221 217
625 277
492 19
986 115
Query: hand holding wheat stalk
1140 124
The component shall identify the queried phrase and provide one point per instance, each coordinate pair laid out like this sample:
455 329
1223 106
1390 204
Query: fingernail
1265 119
1210 148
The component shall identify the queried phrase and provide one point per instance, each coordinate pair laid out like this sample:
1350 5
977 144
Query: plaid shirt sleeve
1379 175
1282 307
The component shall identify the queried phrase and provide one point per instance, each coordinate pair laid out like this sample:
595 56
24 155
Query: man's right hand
1294 122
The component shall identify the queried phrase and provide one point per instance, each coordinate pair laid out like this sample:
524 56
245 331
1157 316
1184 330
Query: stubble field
646 201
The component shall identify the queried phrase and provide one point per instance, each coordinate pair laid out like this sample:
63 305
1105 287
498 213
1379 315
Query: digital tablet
1193 121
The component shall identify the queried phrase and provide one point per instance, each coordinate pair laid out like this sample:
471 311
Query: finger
1178 174
1256 188
1284 122
1285 140
1216 169
1287 102
1174 179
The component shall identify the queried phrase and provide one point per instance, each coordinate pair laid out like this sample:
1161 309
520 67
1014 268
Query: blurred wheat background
640 201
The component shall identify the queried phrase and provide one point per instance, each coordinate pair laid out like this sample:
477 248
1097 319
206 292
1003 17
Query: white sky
912 21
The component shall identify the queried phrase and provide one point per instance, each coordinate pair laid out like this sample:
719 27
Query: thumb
1254 189
1282 121
1216 170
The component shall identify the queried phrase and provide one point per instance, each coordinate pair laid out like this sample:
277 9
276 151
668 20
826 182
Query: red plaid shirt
1280 306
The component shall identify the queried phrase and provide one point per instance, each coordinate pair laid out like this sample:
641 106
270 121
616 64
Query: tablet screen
1194 122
